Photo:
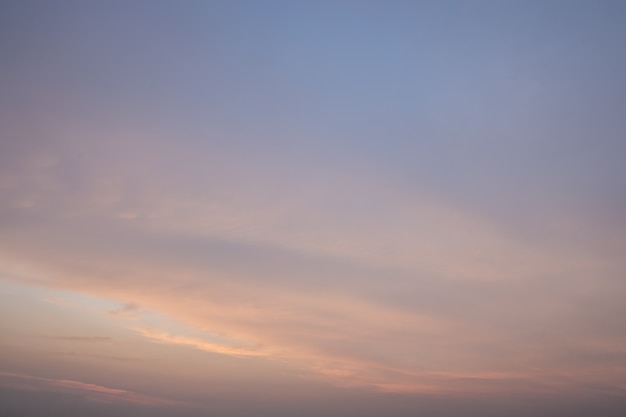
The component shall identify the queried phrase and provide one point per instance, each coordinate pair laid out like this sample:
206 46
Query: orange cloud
201 344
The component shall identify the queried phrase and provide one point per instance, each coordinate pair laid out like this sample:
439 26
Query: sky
313 208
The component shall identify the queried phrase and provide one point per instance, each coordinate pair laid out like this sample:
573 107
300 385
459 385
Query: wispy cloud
86 339
103 357
92 392
125 310
201 344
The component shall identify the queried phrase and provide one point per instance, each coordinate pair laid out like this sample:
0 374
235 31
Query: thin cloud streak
103 357
201 344
86 339
92 392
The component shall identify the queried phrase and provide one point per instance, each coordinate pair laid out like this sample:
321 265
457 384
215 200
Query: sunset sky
313 208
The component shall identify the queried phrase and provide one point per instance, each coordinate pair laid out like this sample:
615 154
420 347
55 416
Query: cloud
201 344
91 392
338 273
127 309
87 339
103 357
324 312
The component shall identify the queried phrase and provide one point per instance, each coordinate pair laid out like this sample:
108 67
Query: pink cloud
92 392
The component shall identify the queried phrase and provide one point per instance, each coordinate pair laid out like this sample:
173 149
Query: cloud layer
415 199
